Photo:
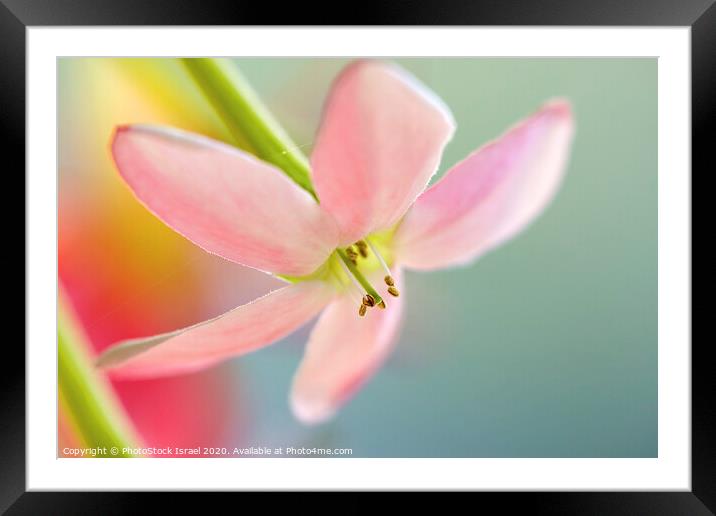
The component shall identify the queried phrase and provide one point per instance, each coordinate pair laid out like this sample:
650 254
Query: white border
670 471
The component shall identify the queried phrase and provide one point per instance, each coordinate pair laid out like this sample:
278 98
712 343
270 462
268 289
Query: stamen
380 258
368 301
356 285
392 290
355 274
362 310
381 305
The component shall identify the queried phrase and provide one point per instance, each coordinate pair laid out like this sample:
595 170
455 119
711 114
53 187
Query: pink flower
379 143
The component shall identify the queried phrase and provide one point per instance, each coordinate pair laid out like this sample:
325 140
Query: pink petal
224 200
344 350
490 196
243 329
380 141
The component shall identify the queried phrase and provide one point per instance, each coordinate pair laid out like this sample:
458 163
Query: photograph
357 257
412 248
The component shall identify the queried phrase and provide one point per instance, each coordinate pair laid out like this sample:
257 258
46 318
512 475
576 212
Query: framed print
426 251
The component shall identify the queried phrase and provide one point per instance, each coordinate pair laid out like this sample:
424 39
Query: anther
361 310
368 300
393 291
389 281
362 248
381 305
351 253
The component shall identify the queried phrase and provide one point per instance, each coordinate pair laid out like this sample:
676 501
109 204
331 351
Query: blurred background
545 347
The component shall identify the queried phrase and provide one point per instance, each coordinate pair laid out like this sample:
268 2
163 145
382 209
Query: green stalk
85 397
247 118
359 276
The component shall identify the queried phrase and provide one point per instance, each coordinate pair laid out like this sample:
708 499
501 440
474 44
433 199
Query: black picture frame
16 15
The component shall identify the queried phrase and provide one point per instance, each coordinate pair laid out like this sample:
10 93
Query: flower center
359 255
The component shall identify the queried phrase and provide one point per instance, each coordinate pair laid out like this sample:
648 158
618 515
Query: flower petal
224 200
243 329
342 353
490 196
379 143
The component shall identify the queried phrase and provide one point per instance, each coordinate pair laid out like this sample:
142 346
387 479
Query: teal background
545 347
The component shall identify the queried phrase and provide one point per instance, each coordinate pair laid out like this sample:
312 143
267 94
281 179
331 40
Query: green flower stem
84 396
247 118
359 276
